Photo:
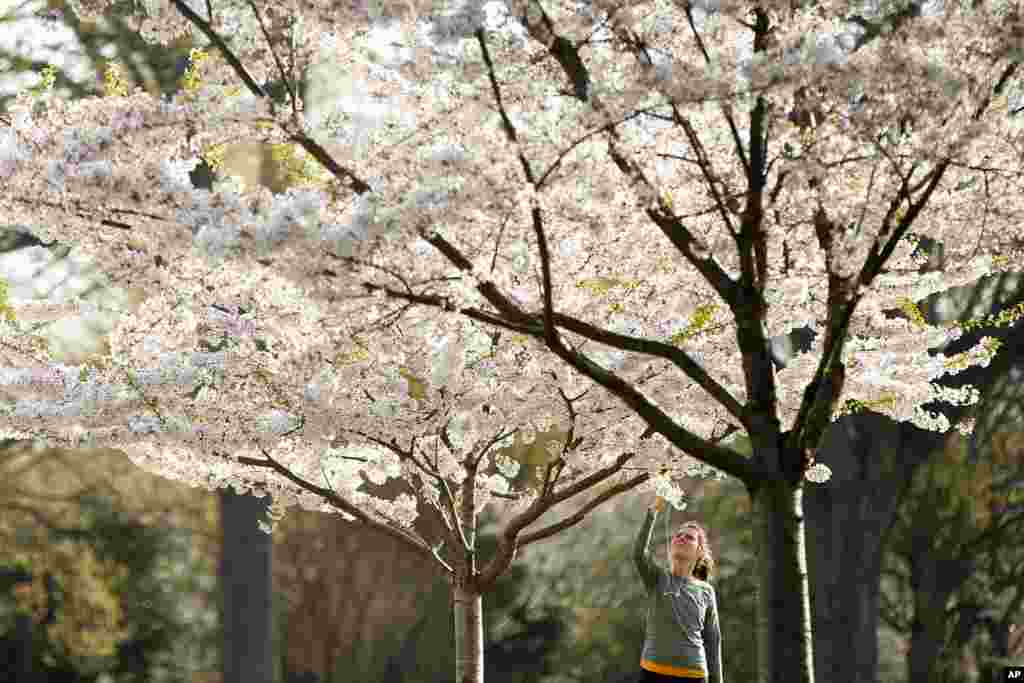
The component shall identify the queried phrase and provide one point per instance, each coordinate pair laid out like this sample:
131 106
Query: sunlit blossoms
479 177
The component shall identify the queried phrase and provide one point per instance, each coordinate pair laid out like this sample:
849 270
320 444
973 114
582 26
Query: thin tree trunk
469 635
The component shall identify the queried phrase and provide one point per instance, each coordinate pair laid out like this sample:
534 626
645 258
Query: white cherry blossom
458 191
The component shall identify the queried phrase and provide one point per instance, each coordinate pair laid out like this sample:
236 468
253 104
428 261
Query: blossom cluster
482 194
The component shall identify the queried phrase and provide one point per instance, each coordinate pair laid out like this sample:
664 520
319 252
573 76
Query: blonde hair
706 562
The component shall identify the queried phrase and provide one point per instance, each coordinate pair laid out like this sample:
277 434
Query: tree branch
581 514
456 531
507 540
415 543
356 184
677 233
208 31
529 325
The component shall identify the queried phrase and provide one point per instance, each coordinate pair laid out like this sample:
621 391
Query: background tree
943 564
245 562
90 600
349 597
246 607
109 594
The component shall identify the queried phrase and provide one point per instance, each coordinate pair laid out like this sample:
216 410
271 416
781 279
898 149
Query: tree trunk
784 646
873 460
469 634
24 668
245 579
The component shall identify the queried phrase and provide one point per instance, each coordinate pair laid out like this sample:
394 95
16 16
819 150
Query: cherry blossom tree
507 252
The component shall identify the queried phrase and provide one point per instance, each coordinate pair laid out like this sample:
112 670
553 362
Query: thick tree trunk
469 635
246 607
845 573
784 646
873 460
23 665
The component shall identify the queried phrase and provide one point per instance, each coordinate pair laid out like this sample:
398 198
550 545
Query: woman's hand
659 504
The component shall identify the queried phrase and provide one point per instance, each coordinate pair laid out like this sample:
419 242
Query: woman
683 643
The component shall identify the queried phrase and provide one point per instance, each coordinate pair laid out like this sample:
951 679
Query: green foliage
950 507
6 310
852 405
1001 319
701 317
962 360
49 78
161 571
114 82
912 311
121 587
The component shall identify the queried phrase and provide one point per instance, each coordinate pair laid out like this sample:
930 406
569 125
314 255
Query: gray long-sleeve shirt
683 638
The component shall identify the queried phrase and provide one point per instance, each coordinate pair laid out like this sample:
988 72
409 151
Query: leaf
965 184
417 386
194 394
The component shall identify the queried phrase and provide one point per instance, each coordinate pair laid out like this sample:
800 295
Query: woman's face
687 541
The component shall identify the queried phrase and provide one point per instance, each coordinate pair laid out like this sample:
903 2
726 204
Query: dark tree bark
246 598
24 671
873 460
